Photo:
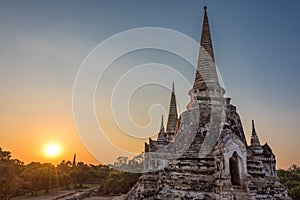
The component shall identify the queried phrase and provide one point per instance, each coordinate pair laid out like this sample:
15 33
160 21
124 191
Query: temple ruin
203 153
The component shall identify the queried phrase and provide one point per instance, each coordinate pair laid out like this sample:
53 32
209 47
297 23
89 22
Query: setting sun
52 150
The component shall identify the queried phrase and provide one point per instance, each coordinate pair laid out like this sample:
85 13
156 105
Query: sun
52 150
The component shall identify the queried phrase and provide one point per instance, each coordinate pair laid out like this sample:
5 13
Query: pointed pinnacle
173 88
173 115
206 69
162 122
253 128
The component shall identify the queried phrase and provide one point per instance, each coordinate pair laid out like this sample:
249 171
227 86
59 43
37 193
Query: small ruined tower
261 160
255 144
155 157
162 135
173 116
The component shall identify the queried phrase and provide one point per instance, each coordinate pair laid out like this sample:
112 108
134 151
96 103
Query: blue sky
256 46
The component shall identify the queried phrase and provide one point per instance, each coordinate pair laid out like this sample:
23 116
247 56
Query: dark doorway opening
234 169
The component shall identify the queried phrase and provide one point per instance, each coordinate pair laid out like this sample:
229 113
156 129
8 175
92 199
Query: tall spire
254 137
161 134
74 160
173 116
206 70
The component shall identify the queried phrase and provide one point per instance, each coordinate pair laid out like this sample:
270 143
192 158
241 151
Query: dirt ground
51 197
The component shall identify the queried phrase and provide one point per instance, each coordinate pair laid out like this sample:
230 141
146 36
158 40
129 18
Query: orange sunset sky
44 44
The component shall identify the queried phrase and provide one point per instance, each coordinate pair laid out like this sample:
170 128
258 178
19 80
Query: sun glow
52 150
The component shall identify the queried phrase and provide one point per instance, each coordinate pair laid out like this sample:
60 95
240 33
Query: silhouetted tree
4 155
79 174
10 182
63 174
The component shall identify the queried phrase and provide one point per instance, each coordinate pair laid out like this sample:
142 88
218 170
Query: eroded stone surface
191 176
207 156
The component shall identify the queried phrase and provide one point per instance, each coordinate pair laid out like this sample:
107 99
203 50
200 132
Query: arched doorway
234 169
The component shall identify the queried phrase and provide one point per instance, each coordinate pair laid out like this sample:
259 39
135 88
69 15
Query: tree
99 173
63 173
121 162
10 182
79 174
38 177
295 192
4 155
136 165
291 179
64 166
294 168
120 182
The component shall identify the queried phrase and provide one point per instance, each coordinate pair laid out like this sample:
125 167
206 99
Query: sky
43 45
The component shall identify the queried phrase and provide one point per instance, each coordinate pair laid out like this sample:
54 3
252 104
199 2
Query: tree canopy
291 179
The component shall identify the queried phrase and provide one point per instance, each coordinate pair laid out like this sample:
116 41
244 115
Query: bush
295 192
119 182
292 183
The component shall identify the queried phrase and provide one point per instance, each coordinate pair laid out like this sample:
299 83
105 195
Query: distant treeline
16 178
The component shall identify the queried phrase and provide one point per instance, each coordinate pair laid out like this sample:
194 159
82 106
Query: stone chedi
204 154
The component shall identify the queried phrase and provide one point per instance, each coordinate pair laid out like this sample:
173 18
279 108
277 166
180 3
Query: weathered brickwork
207 155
